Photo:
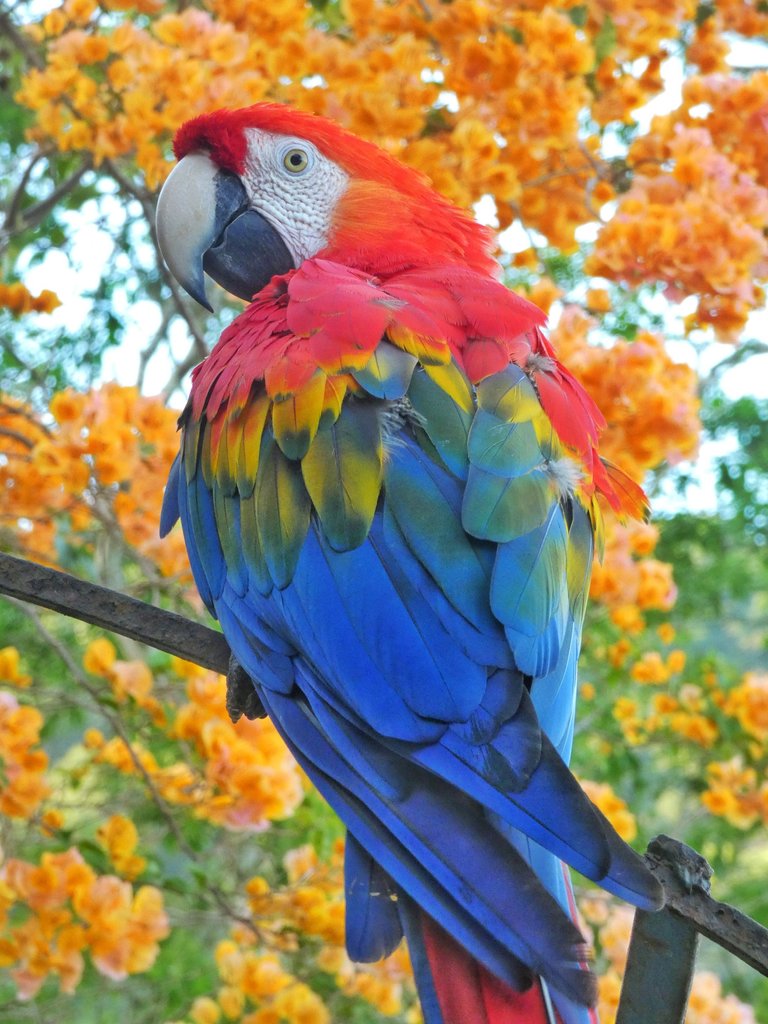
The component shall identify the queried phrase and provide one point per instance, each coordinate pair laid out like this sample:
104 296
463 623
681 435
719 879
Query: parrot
389 489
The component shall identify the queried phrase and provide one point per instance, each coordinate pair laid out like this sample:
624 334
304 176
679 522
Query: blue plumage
388 372
373 925
417 652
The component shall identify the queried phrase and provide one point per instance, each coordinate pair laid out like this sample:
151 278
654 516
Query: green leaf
605 40
704 12
514 34
578 15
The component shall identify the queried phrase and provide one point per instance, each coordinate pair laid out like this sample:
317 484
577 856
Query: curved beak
204 223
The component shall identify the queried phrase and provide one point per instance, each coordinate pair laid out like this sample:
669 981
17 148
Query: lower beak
204 223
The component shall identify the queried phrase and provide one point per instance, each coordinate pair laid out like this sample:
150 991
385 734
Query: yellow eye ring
296 160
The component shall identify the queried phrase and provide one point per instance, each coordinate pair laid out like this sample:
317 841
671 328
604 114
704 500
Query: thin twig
14 435
18 196
149 350
33 215
20 40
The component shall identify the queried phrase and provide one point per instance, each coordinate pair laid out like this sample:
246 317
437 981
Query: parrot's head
258 191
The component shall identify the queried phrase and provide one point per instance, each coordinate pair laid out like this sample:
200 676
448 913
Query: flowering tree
152 850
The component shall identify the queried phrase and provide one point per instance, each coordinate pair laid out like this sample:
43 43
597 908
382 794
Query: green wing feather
282 511
342 472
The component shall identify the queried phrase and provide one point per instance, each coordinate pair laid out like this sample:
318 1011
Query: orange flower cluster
10 668
699 227
708 1005
748 19
654 670
21 482
484 98
312 901
312 904
256 989
683 709
119 837
106 457
735 793
649 401
689 715
748 702
23 786
627 580
612 806
708 49
247 777
738 791
19 300
128 678
71 909
250 778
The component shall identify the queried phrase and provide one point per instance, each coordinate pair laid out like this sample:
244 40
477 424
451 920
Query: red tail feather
470 994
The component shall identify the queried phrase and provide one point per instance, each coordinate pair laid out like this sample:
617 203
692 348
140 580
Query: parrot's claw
242 698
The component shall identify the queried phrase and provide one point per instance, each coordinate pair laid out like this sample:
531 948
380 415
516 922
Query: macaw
388 486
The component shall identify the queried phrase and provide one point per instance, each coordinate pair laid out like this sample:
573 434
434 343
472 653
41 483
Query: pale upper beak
204 223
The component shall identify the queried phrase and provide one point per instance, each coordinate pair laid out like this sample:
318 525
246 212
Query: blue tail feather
373 928
408 840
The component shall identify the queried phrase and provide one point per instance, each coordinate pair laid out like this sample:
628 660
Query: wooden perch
27 581
663 947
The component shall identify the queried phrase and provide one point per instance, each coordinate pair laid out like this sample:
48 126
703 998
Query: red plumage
297 328
470 994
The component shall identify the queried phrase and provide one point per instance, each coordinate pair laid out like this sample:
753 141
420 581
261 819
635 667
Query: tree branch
14 206
746 350
32 216
14 435
21 41
27 581
685 875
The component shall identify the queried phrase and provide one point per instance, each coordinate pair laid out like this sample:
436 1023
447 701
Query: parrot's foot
242 698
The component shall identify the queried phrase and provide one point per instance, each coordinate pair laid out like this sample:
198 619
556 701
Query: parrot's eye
295 160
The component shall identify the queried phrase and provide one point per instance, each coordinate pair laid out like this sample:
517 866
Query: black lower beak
247 251
205 223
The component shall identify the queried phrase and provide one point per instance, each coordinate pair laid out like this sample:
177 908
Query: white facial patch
294 187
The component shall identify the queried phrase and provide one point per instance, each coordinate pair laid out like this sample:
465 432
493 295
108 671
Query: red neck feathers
380 229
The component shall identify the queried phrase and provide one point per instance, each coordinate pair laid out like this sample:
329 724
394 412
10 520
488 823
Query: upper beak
204 223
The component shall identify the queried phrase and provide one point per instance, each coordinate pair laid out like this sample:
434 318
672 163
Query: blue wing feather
373 927
426 504
486 646
169 512
205 538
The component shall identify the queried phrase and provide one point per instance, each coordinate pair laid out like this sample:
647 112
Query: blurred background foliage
160 864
